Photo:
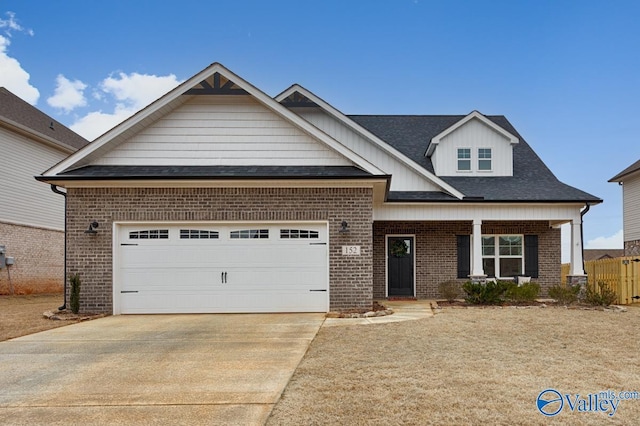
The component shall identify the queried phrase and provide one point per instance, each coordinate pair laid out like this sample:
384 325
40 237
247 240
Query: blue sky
565 73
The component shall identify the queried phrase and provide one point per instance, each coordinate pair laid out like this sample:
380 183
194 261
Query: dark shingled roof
631 169
214 172
531 181
14 109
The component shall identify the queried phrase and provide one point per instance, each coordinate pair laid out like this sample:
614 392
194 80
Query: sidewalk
405 310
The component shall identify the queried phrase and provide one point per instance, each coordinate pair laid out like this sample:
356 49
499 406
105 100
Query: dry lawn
466 366
22 315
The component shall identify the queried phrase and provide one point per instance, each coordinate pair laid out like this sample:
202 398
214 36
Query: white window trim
480 159
470 159
497 255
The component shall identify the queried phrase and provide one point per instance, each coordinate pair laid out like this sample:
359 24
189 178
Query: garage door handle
223 277
319 290
129 291
317 244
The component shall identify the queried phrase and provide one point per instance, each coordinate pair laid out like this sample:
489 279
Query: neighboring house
31 215
220 198
629 178
599 254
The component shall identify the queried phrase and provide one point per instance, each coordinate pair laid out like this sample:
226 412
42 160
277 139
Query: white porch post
577 267
477 270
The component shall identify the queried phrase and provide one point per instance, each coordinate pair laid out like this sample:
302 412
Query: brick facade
39 259
350 283
436 251
632 248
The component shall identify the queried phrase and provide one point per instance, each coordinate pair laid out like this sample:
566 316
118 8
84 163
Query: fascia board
304 125
110 135
368 135
260 96
474 114
32 134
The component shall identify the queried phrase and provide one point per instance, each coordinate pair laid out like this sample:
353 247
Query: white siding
556 213
222 130
631 208
23 199
403 178
474 135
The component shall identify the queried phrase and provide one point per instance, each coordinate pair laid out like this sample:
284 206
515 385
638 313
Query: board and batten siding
24 200
404 179
631 208
474 135
222 130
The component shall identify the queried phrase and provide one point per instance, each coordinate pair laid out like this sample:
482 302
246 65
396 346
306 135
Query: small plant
604 297
525 293
450 290
74 297
565 294
489 293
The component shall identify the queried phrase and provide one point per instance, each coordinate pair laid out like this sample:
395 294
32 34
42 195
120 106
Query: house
31 215
629 179
599 254
220 198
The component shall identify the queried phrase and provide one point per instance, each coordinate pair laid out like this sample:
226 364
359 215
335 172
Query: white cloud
13 76
615 241
68 94
131 92
138 90
11 24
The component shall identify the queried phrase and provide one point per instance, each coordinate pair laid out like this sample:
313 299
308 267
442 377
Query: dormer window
484 159
464 159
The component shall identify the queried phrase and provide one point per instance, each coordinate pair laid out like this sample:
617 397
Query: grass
465 366
22 315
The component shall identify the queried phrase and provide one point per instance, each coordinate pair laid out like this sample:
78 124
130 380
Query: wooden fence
621 275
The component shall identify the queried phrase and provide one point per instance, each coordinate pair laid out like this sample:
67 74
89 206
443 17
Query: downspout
582 213
55 189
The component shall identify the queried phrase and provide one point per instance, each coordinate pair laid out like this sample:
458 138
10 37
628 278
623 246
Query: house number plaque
351 250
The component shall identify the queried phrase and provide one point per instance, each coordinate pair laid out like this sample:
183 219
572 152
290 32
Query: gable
224 129
476 140
404 178
407 174
213 81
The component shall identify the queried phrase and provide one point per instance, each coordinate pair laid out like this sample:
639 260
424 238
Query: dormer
473 146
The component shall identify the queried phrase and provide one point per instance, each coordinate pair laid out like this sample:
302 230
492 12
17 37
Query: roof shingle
14 109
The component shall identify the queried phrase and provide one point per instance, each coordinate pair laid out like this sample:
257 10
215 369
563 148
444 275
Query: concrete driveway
154 369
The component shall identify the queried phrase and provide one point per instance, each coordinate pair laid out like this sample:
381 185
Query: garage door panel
223 274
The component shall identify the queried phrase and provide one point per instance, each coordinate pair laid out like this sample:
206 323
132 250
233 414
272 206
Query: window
197 234
502 255
464 159
249 233
484 159
298 233
151 234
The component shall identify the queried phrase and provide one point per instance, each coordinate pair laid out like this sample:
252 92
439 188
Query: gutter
582 213
55 189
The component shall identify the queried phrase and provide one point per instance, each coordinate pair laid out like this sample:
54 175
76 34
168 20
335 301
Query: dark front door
400 266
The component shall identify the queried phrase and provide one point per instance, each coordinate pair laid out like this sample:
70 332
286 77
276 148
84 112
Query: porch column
477 271
577 268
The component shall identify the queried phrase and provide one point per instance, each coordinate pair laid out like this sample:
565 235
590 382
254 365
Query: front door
400 266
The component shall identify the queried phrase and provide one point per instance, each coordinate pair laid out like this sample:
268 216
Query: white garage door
199 268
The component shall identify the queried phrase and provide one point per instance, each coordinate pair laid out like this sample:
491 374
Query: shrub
489 293
604 297
74 297
525 293
565 294
450 290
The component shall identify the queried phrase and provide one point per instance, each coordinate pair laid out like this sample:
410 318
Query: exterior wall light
92 228
344 227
